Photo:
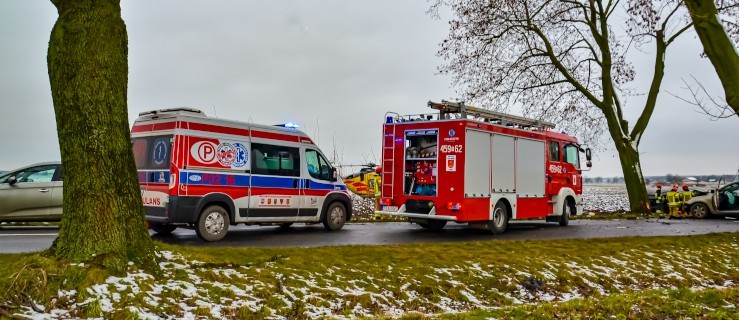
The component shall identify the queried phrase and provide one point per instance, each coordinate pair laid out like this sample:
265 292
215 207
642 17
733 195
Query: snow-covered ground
192 289
605 197
598 198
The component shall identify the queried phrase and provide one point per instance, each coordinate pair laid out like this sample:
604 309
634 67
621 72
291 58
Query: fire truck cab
476 166
206 173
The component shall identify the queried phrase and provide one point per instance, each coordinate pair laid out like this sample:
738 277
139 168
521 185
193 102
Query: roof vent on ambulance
153 114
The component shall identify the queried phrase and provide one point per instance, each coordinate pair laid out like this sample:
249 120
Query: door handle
43 190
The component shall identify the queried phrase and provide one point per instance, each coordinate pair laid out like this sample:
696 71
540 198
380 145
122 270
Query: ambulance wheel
212 224
163 228
286 225
335 217
567 210
500 218
433 224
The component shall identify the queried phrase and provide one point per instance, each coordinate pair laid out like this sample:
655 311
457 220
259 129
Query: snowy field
597 198
605 197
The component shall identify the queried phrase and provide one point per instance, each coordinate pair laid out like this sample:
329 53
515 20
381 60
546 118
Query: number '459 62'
451 148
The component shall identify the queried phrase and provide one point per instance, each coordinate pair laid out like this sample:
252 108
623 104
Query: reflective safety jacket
672 198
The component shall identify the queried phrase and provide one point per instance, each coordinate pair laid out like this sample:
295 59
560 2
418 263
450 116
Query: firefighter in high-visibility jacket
684 197
658 200
673 203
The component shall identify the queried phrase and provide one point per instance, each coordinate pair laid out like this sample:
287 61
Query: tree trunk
718 47
635 186
103 220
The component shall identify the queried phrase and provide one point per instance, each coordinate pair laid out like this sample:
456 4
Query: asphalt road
15 239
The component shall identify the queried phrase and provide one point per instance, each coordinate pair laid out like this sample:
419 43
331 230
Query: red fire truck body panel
458 170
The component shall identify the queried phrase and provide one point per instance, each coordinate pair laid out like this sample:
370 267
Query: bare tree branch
713 108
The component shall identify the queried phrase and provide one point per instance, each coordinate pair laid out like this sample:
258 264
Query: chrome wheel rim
567 210
498 217
336 215
214 223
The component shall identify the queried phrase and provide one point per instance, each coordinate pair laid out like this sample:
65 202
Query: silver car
722 201
32 193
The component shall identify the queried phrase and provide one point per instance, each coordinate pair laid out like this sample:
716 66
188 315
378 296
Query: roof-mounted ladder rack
447 107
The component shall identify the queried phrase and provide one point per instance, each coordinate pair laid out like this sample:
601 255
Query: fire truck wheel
335 217
564 219
163 228
433 224
500 218
213 224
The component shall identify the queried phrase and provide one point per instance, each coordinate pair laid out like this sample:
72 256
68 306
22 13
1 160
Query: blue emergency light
288 125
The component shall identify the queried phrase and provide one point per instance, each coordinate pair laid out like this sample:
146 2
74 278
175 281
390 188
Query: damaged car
720 201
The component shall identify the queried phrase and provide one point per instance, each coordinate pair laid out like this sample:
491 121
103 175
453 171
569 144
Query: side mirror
12 180
334 175
589 164
588 156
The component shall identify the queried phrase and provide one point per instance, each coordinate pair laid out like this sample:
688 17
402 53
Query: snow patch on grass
192 289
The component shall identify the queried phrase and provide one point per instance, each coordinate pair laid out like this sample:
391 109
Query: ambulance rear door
153 155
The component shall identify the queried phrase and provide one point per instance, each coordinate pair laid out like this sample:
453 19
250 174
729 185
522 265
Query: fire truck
481 167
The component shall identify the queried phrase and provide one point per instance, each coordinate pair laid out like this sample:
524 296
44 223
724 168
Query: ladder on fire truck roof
447 107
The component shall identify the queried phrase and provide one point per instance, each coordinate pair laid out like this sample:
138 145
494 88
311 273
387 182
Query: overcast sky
335 67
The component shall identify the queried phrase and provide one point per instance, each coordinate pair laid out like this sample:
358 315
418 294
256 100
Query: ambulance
208 174
481 167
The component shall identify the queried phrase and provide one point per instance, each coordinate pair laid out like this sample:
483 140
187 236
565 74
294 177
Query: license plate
390 208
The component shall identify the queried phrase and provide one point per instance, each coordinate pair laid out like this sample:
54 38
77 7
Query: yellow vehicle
365 183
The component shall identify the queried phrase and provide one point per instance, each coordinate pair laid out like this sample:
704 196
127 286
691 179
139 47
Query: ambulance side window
318 167
275 160
553 151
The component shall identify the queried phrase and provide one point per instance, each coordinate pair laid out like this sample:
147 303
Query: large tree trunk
718 47
635 186
103 221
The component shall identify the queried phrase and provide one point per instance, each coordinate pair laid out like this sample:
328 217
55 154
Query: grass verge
367 281
651 304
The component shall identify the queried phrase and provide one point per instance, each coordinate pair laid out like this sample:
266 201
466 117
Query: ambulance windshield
152 153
